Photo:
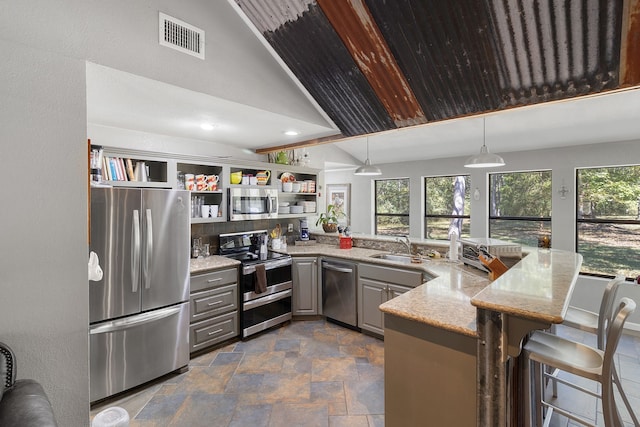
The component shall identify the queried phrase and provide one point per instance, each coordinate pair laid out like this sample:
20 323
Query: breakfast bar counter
477 380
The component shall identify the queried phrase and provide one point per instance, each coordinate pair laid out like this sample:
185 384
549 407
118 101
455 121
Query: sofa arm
23 403
26 405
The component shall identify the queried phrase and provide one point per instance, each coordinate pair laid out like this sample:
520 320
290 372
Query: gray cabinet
305 286
378 284
214 308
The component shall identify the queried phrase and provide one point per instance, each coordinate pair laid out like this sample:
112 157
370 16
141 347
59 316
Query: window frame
583 220
491 217
375 205
443 216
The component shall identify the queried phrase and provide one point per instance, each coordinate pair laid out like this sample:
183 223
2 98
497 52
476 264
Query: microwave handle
270 204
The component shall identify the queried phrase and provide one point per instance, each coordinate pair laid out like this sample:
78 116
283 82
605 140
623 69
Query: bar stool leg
527 393
538 395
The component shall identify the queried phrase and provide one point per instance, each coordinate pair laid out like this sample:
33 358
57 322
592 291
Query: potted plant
329 220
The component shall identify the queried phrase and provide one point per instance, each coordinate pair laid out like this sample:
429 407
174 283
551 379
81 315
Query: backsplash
209 232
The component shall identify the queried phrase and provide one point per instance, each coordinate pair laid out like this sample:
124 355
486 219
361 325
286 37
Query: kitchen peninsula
451 344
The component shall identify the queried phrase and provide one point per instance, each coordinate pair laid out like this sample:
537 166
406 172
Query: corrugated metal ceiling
375 65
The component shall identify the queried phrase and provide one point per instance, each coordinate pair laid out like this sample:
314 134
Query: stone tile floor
312 373
307 373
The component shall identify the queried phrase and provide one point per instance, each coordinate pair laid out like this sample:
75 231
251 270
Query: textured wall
43 224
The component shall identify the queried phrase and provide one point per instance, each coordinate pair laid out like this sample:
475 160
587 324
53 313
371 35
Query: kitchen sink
399 258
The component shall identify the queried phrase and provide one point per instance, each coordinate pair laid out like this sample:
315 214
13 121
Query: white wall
561 161
43 224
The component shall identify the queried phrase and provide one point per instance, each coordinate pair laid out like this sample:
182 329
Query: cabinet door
395 290
372 294
305 286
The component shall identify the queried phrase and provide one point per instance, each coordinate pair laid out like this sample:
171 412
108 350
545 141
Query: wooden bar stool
562 354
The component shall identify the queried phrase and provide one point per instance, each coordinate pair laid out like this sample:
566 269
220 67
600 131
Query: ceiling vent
181 36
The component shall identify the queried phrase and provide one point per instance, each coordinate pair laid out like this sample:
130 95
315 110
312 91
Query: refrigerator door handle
135 251
122 324
149 250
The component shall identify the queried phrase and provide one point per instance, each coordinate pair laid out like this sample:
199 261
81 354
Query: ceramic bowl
236 177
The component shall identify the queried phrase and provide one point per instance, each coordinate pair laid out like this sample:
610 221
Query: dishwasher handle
333 267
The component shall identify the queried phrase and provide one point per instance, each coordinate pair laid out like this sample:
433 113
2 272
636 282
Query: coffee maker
96 164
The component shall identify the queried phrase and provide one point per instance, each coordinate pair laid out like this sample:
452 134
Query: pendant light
484 159
368 169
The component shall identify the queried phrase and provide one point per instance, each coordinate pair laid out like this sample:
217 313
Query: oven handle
266 300
267 265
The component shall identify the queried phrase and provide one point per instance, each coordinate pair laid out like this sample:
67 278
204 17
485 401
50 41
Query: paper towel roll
453 246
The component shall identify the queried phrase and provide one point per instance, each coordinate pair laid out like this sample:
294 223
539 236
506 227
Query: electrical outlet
290 228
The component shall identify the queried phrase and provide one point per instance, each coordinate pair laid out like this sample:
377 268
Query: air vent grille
181 36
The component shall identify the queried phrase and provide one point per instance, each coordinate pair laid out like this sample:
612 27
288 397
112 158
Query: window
608 220
520 206
446 206
392 206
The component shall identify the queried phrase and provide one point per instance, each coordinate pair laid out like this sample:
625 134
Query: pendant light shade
368 169
485 159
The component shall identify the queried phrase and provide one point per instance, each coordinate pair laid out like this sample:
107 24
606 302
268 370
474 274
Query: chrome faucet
406 242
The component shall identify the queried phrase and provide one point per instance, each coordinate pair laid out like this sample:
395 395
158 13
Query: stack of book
118 169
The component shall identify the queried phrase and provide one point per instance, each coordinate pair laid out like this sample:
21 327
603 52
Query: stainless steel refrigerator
139 311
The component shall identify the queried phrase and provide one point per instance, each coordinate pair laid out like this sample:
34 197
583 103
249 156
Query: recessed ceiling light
207 126
291 133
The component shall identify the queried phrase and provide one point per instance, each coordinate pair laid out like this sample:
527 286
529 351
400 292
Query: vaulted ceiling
377 65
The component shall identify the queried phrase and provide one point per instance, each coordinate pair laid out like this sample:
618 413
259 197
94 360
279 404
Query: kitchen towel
261 279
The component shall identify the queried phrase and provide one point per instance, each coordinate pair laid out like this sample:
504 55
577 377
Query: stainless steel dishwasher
339 292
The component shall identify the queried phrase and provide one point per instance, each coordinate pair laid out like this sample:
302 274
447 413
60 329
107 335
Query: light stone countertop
443 302
538 287
213 262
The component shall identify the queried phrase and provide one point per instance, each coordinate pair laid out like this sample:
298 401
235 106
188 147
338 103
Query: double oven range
262 306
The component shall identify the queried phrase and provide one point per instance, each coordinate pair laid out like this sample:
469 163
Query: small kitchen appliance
304 229
96 164
252 203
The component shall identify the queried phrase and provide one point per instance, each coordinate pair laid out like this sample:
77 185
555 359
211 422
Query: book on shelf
118 169
130 173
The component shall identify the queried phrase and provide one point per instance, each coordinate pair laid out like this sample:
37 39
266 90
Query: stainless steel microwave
252 203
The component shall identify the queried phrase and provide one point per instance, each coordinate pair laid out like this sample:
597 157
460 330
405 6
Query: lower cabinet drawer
212 331
213 302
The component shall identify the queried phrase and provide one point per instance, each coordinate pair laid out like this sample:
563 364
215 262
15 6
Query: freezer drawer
136 349
212 331
213 302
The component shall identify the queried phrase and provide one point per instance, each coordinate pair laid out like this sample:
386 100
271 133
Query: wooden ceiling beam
357 29
302 144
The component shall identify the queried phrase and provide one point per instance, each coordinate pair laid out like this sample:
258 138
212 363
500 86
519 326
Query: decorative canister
263 177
